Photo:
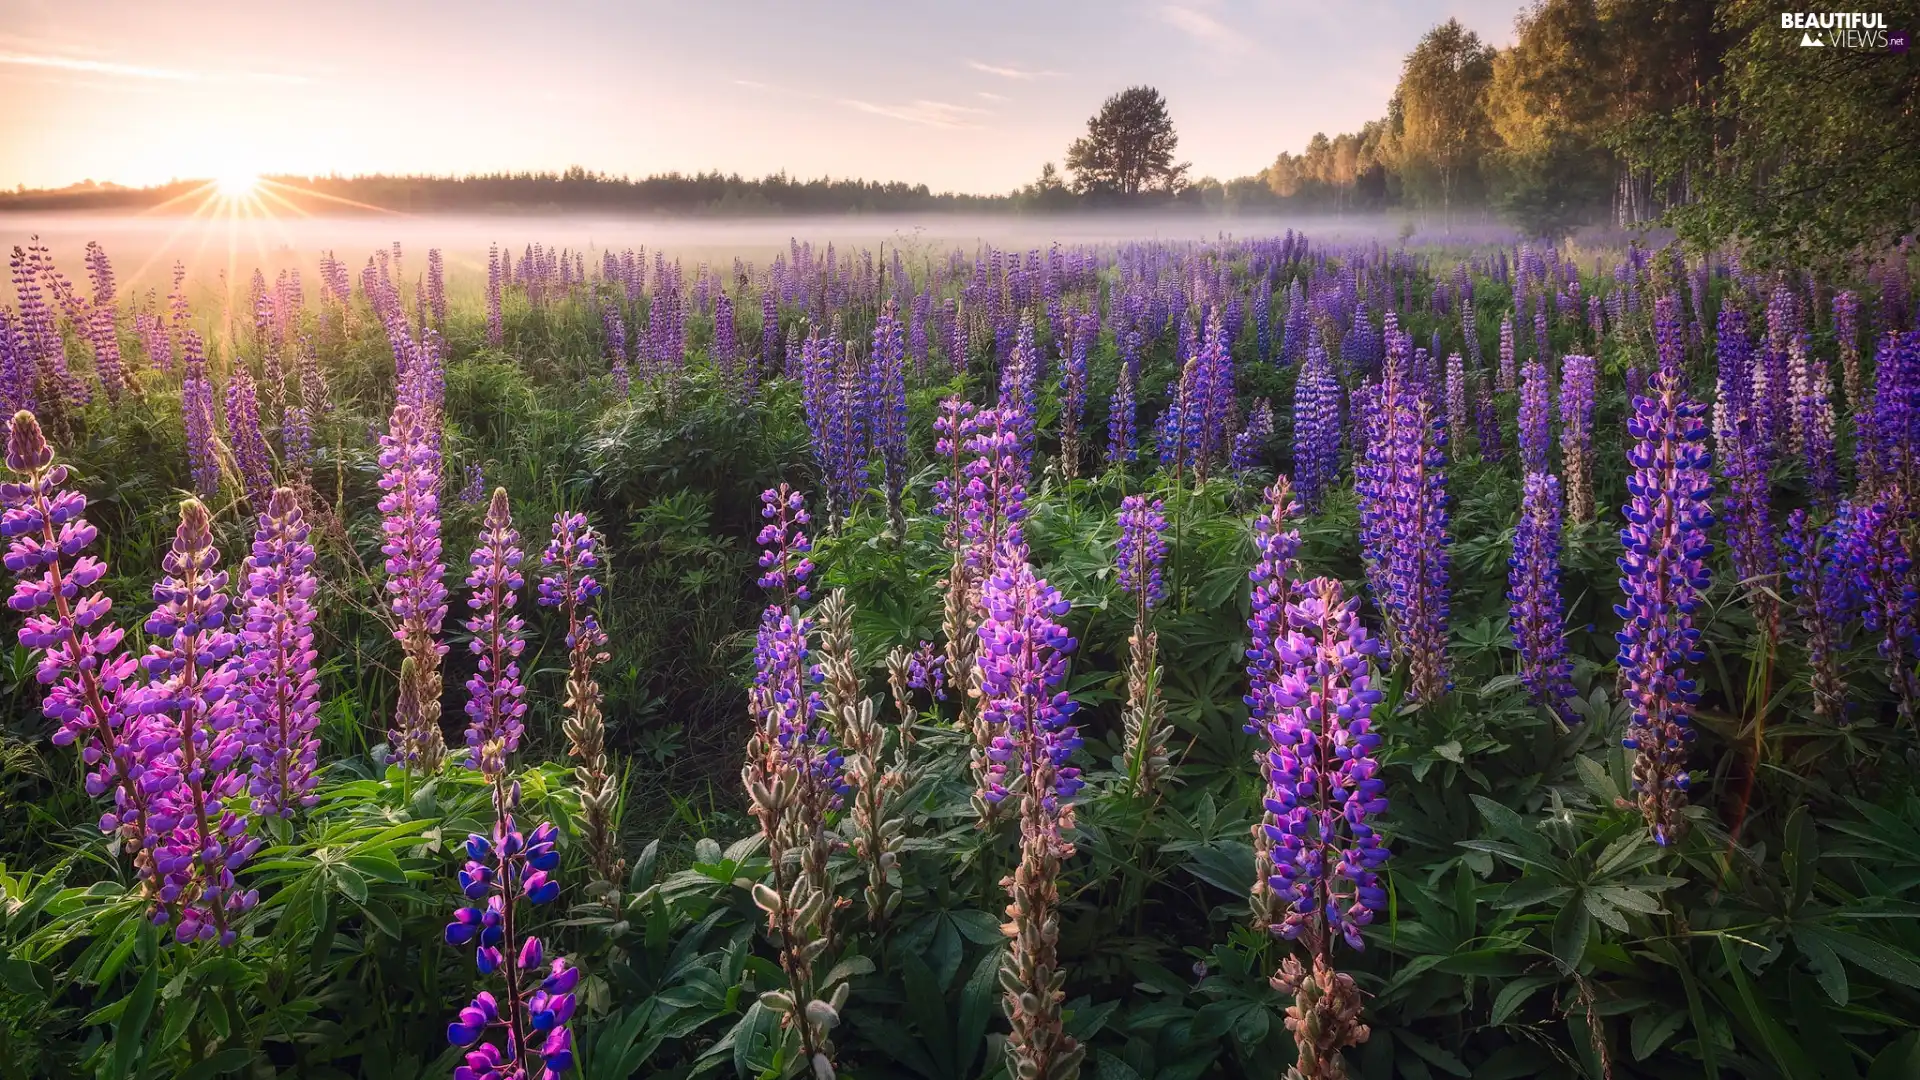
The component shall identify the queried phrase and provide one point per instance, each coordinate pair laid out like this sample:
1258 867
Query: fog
226 251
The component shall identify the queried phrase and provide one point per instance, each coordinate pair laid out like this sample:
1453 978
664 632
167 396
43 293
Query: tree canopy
1128 147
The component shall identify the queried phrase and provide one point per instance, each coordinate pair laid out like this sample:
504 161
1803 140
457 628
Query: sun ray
332 198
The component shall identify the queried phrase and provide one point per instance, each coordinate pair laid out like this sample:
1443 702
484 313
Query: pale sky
970 96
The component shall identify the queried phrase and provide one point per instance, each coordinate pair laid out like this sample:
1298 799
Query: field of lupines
1249 658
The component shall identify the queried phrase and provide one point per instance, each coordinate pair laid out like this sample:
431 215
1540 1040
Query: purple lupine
1023 650
1403 519
1669 337
1322 780
1889 591
1577 385
927 670
793 777
1820 567
832 390
1141 550
497 275
725 350
885 397
437 288
416 589
615 330
996 494
1506 383
1813 419
567 583
280 688
1250 444
1846 335
1536 418
495 710
251 456
191 682
1537 611
1772 376
1889 447
1121 418
16 367
500 872
474 491
1275 574
89 675
196 406
785 560
1486 422
1458 417
1316 427
769 330
1664 575
1083 328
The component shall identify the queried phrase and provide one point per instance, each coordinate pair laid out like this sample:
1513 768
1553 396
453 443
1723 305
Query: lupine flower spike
568 584
1023 650
89 675
280 693
1322 792
1138 558
1664 574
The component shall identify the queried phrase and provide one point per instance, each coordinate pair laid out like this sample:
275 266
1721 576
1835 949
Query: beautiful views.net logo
1844 30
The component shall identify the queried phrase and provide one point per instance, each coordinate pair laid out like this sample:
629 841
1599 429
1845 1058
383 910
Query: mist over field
148 245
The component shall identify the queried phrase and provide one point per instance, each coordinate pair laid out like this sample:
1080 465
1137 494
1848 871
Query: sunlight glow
238 185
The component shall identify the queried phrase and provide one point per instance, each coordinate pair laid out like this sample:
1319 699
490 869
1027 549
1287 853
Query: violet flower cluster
1022 664
1538 613
1322 780
88 673
1664 574
1823 574
785 561
1536 418
196 406
495 711
416 587
1316 427
1403 520
521 1034
280 689
1577 385
191 688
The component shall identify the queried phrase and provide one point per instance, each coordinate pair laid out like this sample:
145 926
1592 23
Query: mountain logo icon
1807 40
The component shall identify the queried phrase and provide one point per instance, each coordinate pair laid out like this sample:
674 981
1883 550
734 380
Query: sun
236 185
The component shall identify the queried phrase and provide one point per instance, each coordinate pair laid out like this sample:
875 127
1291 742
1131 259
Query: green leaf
1883 960
1571 928
232 1059
759 1026
1652 1028
381 867
977 926
129 1033
350 883
977 1000
926 1005
1516 993
1826 965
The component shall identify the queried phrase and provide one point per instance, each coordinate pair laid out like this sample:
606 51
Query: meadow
1119 658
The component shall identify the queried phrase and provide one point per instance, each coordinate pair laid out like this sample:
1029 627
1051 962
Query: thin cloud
1203 28
139 71
939 114
751 84
1014 73
990 96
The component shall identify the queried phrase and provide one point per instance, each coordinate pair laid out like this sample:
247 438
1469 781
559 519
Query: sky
971 97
